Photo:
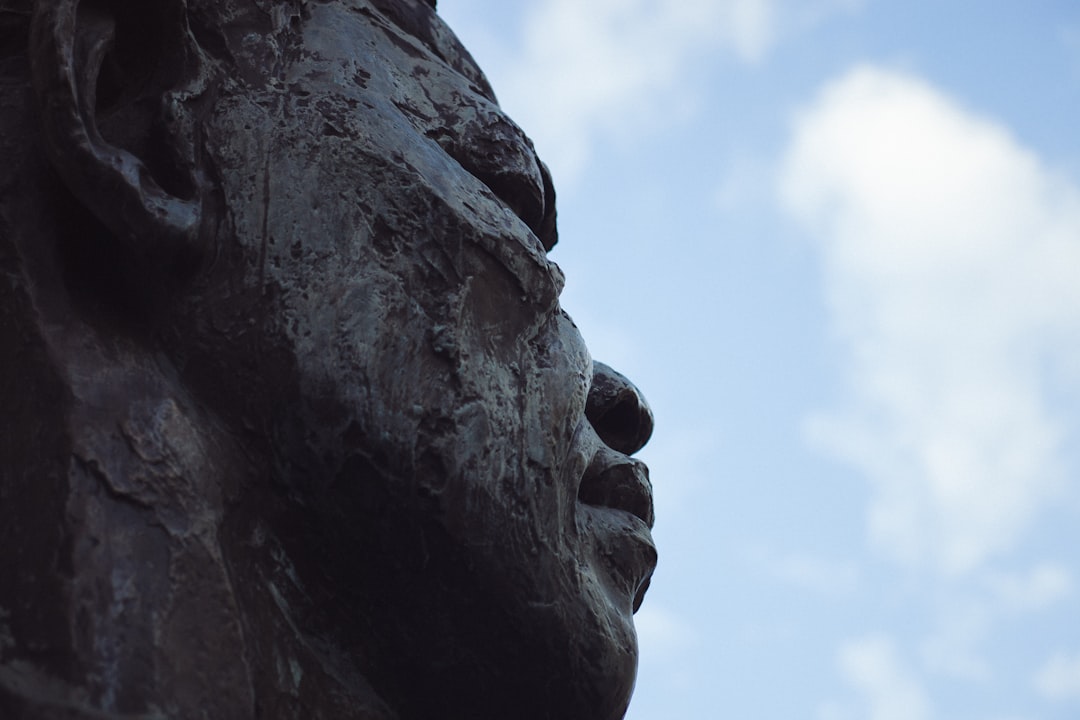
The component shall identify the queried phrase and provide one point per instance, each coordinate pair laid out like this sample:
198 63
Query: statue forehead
419 104
225 28
412 21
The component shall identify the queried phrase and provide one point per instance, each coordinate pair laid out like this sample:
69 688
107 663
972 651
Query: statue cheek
500 459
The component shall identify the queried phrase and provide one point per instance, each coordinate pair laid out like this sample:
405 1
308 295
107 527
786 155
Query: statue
293 425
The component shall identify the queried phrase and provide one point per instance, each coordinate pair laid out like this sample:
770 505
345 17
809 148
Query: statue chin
295 425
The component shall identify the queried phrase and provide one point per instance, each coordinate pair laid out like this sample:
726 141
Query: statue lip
614 480
616 494
620 521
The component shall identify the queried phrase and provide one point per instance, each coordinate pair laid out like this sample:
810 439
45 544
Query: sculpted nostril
620 425
617 410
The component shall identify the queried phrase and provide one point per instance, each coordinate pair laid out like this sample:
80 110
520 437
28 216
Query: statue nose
618 411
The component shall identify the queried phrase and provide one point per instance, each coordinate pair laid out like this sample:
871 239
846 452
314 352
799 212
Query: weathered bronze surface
293 425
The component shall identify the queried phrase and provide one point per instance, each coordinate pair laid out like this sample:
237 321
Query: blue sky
837 244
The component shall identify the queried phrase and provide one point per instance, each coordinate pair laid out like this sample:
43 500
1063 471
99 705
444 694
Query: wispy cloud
949 254
955 647
1041 587
1059 678
581 71
587 69
888 688
967 615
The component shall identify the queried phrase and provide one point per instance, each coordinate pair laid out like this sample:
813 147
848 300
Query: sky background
837 245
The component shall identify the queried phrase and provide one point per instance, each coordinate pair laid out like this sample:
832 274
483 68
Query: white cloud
949 255
591 68
1059 678
1044 585
955 647
890 691
965 620
581 71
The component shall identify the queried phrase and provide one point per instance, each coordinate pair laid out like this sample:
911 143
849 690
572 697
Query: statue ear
105 72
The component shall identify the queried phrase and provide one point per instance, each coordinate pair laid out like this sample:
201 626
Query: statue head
297 426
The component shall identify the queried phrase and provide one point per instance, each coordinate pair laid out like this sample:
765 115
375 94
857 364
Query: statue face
391 224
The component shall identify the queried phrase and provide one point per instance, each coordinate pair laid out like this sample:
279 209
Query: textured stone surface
293 425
